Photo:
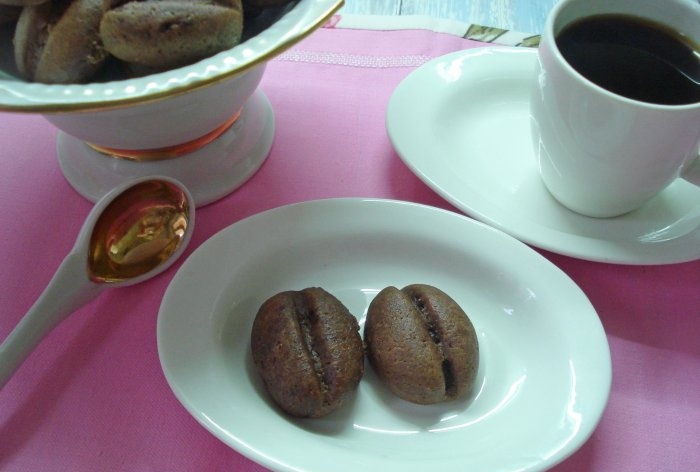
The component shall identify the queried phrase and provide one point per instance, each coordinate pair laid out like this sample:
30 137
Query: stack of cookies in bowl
138 87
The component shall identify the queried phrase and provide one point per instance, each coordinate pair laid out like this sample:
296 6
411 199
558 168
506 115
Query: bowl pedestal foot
210 172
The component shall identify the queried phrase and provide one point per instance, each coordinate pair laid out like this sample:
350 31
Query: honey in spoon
137 231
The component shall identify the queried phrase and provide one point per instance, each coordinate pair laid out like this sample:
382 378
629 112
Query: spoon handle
68 290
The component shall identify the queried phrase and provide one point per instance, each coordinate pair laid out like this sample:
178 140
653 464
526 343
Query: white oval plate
544 375
461 124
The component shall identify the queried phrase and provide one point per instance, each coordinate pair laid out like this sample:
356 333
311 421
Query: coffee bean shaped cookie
170 33
308 351
58 41
421 344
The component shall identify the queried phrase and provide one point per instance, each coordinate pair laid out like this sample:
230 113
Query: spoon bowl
133 233
138 232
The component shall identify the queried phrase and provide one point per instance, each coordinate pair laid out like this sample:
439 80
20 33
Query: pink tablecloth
93 397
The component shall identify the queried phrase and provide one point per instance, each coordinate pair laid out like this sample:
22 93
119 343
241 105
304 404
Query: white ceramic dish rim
186 343
300 21
607 240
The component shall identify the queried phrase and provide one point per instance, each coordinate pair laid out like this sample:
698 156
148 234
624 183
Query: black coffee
634 57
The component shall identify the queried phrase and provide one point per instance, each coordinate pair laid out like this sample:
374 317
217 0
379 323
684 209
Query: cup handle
692 172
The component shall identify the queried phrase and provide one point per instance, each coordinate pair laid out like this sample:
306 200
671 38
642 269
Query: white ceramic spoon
133 233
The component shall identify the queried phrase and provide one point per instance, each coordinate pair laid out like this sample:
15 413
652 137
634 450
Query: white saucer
461 124
544 376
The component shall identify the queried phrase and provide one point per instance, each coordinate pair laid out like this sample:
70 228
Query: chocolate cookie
421 344
58 41
308 351
164 34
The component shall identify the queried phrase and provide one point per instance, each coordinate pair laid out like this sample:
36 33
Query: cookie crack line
431 320
306 317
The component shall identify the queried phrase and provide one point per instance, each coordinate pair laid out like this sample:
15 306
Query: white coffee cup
601 154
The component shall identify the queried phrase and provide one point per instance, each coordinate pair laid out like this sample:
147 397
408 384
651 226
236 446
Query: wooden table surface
527 16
